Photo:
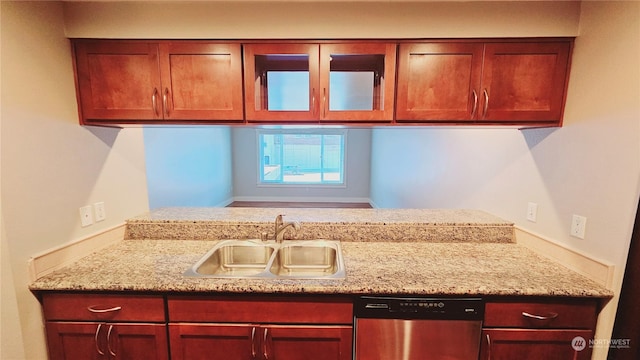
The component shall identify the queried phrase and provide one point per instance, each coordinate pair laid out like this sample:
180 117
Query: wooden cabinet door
89 340
118 80
281 82
438 82
357 82
526 344
307 342
76 340
213 341
524 82
137 341
201 81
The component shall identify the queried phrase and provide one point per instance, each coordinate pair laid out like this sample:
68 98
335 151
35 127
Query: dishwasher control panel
419 308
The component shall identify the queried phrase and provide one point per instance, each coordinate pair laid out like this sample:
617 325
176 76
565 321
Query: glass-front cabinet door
352 82
357 82
281 82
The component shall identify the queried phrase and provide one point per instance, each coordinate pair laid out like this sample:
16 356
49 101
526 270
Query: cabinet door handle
313 101
154 101
102 311
109 341
486 103
475 104
488 347
95 338
551 316
324 102
253 342
165 106
265 352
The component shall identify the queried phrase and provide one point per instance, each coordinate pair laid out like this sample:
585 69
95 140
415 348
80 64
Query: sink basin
234 258
312 259
299 259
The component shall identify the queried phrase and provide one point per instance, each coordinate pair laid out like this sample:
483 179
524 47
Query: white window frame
301 130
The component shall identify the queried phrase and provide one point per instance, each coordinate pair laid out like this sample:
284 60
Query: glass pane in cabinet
356 82
282 82
288 90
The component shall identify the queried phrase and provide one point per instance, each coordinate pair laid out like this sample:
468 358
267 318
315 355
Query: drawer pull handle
253 342
265 350
102 311
551 316
486 103
113 353
165 104
154 101
95 338
488 347
475 104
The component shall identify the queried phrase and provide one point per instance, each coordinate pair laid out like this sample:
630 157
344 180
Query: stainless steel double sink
290 259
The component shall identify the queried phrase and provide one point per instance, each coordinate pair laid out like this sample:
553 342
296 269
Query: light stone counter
336 224
386 251
416 268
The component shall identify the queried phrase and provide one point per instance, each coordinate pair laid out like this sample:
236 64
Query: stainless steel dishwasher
417 328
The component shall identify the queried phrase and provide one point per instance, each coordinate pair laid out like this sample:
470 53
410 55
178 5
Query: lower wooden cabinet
260 341
79 340
549 329
262 328
101 326
296 327
527 344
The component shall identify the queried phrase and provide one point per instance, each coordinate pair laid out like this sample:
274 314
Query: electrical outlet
86 215
578 226
532 212
99 210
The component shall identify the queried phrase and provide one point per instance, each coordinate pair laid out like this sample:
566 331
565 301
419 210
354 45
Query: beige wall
50 165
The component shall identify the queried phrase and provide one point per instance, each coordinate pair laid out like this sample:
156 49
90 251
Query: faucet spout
281 227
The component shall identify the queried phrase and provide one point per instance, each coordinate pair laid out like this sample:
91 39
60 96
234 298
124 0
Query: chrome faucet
281 226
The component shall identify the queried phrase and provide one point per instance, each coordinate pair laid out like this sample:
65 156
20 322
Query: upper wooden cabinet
138 81
341 82
467 82
483 82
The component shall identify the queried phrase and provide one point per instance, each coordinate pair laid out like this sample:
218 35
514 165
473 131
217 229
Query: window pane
301 158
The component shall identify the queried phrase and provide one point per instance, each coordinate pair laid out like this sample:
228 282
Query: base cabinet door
213 341
261 342
74 341
82 340
526 344
307 342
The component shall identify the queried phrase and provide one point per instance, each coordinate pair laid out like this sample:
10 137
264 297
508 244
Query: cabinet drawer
103 307
541 314
294 310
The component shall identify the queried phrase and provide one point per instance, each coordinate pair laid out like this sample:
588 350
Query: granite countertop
247 215
391 225
419 268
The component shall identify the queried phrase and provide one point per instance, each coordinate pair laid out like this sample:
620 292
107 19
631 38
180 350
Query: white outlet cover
532 212
578 226
100 212
86 215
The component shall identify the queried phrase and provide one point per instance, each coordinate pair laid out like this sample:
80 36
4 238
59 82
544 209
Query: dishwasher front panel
398 339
